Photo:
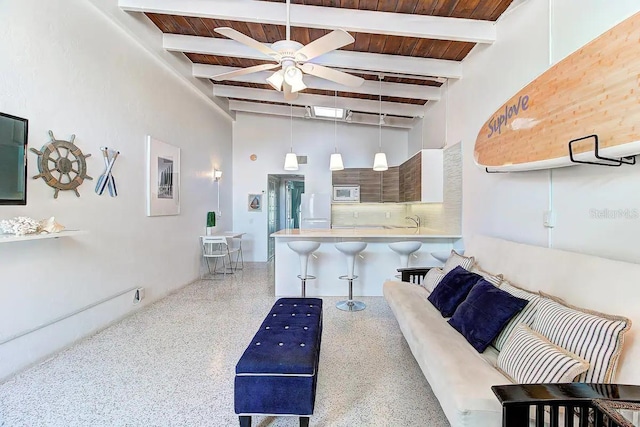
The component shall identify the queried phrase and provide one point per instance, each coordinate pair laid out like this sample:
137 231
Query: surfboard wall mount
605 161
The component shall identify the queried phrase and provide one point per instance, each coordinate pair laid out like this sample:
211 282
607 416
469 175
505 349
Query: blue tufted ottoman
278 372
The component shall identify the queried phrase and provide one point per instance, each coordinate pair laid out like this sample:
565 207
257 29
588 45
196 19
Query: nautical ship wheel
62 165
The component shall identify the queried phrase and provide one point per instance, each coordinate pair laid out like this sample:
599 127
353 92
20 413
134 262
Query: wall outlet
387 215
138 295
355 214
549 219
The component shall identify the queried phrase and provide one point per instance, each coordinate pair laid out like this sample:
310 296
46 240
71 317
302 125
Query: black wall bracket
605 161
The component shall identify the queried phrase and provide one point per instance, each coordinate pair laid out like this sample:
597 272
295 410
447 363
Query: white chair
234 243
216 247
304 248
350 250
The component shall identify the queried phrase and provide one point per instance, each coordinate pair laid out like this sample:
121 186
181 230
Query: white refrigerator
315 210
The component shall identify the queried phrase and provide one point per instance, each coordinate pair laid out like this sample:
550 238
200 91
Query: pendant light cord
380 112
335 121
291 121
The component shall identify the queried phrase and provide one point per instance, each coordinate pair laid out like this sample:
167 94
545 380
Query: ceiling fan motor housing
287 50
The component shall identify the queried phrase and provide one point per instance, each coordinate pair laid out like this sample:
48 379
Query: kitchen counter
364 233
376 264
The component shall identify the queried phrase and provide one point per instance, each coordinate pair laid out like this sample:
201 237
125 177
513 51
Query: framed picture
163 178
255 203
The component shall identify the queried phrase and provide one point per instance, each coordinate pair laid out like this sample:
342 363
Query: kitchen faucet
416 220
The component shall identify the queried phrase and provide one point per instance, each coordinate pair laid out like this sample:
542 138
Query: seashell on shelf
50 226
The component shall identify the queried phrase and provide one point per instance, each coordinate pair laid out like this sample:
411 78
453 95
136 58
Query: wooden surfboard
595 90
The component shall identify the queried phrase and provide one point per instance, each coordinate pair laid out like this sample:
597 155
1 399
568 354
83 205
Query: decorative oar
104 178
111 181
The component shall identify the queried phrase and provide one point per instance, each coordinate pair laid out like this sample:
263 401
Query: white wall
68 68
269 138
511 205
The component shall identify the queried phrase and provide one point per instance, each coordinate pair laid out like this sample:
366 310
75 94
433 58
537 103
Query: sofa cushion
596 337
452 290
525 316
432 278
460 377
455 260
484 312
528 357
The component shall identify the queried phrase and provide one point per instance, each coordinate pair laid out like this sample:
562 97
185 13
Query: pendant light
291 160
335 163
380 159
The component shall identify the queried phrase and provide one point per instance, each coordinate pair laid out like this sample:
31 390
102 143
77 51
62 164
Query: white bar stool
405 249
350 250
304 248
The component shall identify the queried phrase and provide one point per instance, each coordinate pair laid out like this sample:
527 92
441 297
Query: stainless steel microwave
346 193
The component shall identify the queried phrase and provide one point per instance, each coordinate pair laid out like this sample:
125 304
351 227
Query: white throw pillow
596 337
526 316
455 259
432 278
529 358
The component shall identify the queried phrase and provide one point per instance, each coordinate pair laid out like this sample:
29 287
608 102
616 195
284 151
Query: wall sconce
217 175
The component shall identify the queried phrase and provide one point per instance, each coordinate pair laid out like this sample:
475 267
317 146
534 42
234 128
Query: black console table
588 404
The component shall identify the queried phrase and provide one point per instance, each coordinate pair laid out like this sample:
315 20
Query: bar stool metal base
350 304
303 280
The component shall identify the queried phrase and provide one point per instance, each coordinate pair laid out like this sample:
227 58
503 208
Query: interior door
273 210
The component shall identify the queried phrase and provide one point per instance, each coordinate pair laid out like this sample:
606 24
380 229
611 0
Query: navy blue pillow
452 290
483 314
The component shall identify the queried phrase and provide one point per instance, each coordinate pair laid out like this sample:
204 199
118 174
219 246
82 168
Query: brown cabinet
410 179
391 184
397 184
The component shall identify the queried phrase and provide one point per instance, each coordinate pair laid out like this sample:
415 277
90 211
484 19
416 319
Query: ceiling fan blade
333 75
248 41
243 71
288 95
332 41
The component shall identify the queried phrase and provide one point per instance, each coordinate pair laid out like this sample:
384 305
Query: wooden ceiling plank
406 6
341 59
388 23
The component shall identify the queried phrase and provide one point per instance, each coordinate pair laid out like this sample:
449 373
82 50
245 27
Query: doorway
283 205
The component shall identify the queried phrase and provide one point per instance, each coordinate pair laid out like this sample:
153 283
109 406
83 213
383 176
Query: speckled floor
172 364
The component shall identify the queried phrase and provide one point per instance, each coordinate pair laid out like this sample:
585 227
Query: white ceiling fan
293 57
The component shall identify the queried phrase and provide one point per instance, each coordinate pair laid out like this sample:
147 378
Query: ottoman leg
304 421
245 421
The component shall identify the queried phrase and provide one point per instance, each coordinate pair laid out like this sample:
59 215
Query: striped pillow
526 316
432 278
529 358
494 279
455 259
594 336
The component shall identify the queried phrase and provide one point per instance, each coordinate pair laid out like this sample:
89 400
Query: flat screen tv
13 160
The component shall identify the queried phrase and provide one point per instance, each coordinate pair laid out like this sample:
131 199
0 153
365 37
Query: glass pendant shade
380 162
291 162
335 164
276 80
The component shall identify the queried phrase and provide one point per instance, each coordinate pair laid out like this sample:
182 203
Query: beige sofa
460 377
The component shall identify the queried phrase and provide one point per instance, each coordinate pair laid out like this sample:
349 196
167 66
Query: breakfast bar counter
376 264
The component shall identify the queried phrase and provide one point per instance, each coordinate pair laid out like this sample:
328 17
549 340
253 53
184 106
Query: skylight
329 112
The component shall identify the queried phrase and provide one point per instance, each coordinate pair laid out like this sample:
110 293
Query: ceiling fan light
335 163
291 162
298 86
292 75
276 80
380 162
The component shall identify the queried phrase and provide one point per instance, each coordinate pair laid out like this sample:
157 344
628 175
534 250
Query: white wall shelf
7 238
